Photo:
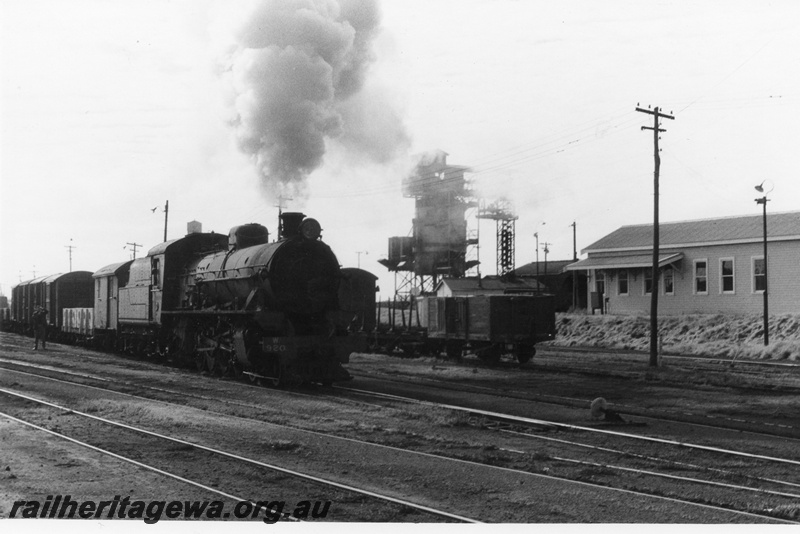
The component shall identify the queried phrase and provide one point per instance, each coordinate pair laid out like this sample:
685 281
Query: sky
111 109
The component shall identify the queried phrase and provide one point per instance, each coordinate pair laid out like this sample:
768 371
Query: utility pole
70 247
654 289
546 251
135 246
766 298
166 218
574 273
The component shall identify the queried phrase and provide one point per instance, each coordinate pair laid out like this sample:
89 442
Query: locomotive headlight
310 229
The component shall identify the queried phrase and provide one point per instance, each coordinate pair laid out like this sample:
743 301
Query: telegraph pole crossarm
654 287
134 246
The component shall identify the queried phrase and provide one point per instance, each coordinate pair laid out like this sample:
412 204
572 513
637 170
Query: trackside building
705 266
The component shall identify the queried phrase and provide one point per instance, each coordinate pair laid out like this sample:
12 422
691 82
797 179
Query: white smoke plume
296 71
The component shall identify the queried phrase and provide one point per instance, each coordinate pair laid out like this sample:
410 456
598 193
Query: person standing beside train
39 318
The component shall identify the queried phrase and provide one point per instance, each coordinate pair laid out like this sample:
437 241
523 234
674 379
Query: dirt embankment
725 336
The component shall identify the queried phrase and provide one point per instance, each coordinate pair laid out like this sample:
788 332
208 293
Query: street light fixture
360 252
763 201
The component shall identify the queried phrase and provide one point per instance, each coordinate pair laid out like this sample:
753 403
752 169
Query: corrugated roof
702 232
108 270
553 267
625 262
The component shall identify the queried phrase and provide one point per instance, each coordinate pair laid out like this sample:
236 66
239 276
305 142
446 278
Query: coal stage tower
440 242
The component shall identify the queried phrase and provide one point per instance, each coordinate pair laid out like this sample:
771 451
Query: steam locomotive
235 304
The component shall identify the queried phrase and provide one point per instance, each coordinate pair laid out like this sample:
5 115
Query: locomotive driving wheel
204 353
200 361
214 362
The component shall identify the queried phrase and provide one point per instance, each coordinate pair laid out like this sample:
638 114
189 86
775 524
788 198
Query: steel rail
545 423
423 453
571 401
291 472
532 436
132 461
648 458
457 408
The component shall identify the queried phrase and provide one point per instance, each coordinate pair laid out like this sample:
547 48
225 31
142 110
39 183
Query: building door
598 296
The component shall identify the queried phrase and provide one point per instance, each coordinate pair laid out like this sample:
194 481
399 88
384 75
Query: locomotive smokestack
290 224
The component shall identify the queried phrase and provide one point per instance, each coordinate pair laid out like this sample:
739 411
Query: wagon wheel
491 354
409 351
453 350
524 353
172 350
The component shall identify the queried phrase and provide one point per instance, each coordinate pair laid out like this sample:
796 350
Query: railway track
660 414
137 464
136 438
587 463
769 425
536 429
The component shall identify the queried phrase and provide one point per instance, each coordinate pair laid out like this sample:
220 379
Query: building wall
783 271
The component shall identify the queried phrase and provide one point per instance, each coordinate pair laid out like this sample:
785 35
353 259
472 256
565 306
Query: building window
622 284
759 276
155 273
648 281
669 281
726 279
701 277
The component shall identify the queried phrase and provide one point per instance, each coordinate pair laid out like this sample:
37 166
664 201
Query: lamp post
763 201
